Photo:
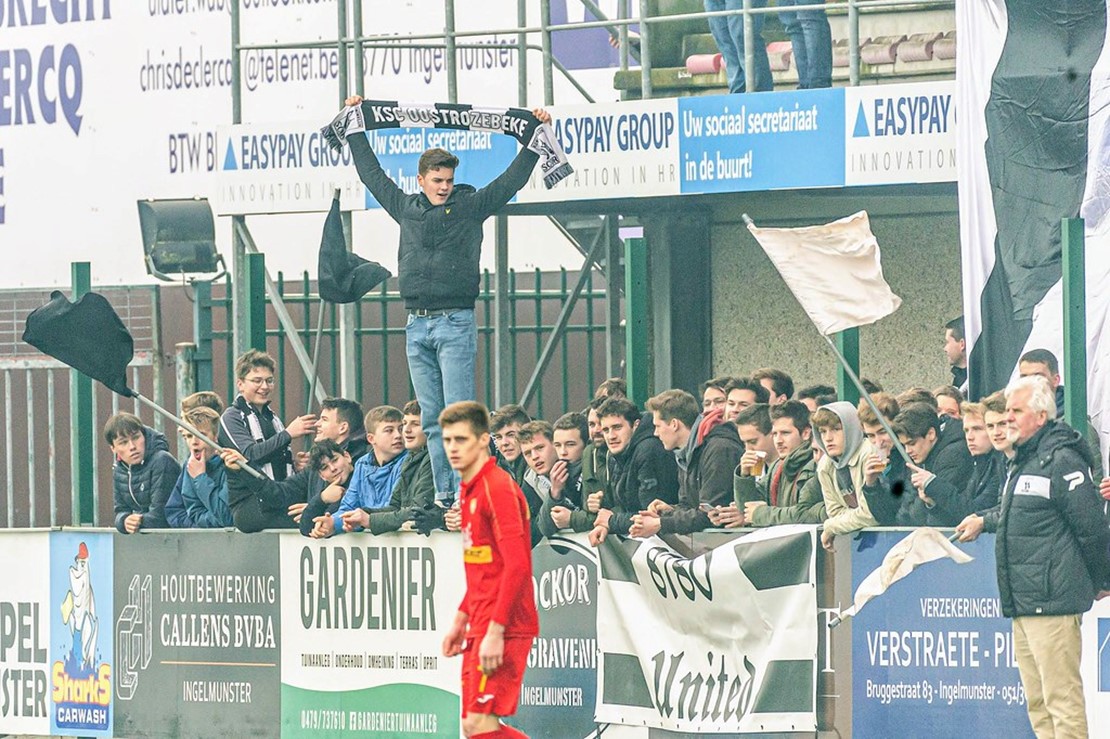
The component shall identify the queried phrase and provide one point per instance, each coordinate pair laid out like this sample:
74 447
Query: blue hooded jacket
200 502
371 486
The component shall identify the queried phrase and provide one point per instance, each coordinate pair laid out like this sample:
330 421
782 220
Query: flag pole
867 397
851 373
316 352
192 430
319 335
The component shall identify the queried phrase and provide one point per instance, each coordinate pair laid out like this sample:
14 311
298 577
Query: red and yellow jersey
497 554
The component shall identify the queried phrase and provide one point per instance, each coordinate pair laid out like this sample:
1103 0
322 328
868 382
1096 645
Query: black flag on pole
1033 91
87 335
344 277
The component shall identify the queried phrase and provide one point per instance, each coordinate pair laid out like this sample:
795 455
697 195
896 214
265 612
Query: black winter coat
707 479
145 487
642 472
949 460
415 488
980 493
1051 547
264 504
440 244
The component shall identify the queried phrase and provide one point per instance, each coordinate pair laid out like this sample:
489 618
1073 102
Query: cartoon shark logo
79 610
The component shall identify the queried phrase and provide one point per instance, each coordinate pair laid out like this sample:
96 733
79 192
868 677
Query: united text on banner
724 642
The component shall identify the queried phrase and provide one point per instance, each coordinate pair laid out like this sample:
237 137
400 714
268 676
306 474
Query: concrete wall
757 322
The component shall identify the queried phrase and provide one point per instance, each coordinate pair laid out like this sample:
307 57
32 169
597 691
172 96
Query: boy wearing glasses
250 426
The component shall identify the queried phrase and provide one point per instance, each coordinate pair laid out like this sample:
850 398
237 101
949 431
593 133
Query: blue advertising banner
81 633
557 697
762 141
933 655
482 155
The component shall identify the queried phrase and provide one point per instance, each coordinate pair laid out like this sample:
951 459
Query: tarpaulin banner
723 642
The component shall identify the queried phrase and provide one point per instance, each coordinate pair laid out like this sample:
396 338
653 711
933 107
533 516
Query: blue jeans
811 41
441 351
728 32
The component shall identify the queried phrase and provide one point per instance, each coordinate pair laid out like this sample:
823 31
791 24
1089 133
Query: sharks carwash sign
900 134
282 168
81 633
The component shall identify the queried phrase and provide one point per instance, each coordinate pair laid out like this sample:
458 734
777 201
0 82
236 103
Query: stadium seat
945 48
841 52
780 54
881 50
918 47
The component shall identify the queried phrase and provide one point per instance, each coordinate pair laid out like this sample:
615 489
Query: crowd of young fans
750 452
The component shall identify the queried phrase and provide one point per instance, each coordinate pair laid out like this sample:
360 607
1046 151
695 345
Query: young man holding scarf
438 275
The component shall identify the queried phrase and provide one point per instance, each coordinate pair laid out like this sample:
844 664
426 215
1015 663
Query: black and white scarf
519 123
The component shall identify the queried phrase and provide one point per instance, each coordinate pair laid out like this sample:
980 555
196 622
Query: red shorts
498 693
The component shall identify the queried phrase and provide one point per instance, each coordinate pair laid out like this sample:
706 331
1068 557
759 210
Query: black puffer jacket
979 493
145 487
949 460
440 244
642 472
1052 538
264 504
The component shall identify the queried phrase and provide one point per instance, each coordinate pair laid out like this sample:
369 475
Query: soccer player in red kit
497 619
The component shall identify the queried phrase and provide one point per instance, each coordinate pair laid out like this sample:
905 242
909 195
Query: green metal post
254 329
1075 323
637 296
82 433
847 342
202 334
504 340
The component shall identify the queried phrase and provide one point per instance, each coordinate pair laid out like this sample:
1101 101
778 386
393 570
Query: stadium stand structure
913 43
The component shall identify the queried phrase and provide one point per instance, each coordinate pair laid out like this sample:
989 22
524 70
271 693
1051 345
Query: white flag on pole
833 270
923 545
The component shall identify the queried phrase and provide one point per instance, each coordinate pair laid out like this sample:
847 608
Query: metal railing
42 485
618 27
534 300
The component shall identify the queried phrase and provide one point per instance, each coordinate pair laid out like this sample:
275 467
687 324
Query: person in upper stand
955 351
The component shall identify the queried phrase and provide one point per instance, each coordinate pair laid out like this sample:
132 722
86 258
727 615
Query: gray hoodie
841 478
